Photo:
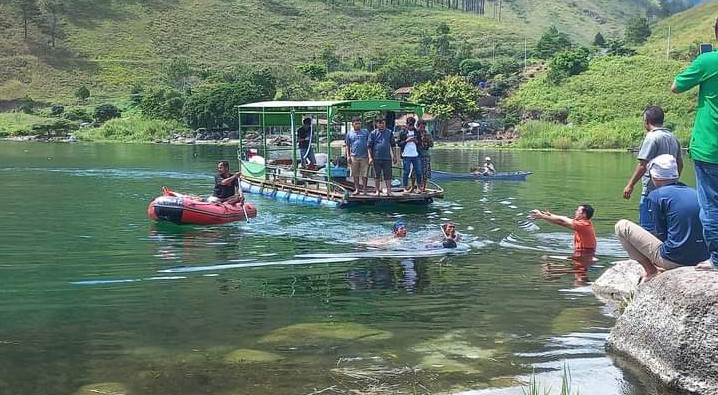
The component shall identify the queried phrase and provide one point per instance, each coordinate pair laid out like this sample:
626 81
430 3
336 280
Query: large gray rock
619 281
671 327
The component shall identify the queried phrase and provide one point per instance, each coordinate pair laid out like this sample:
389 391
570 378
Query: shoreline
443 145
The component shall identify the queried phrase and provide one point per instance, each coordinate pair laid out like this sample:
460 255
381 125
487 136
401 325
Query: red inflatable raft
186 209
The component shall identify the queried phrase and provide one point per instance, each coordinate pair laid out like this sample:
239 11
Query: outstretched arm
637 174
554 219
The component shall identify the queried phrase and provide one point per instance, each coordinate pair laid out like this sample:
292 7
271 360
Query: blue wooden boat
507 176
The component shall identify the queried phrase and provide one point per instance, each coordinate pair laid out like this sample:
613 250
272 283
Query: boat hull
184 209
505 176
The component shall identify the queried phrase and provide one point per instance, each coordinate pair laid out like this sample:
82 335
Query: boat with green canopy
271 163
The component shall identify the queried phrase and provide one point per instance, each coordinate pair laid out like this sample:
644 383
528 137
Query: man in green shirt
703 148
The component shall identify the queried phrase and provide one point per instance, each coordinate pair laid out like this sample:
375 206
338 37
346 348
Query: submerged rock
310 333
574 319
451 353
244 355
103 389
619 281
671 327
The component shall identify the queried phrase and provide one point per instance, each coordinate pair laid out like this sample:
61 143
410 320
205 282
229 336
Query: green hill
602 107
688 29
108 45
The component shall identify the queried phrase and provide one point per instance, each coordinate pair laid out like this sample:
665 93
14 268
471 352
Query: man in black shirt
304 140
226 185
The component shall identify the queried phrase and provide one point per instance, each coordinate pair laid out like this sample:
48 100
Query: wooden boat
185 209
510 176
283 177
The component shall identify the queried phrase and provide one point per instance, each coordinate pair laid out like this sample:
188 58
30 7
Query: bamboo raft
314 188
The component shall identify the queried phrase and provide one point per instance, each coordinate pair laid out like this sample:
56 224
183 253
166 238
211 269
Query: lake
94 297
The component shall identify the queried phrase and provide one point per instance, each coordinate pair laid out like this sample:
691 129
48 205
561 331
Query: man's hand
536 214
394 160
371 160
349 159
627 191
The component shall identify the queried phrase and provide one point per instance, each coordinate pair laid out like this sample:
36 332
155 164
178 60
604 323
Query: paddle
238 188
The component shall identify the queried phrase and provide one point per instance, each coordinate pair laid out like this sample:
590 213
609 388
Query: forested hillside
49 47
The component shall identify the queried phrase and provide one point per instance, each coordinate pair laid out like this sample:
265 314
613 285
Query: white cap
663 167
488 159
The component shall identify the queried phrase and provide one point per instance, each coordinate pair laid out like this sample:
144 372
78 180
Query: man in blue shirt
358 155
381 148
676 238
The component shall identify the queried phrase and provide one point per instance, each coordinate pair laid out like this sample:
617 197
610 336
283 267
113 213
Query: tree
52 9
329 58
105 112
162 103
213 106
450 96
29 11
405 70
315 71
598 40
178 74
637 30
467 66
504 66
82 93
618 48
568 63
367 91
552 42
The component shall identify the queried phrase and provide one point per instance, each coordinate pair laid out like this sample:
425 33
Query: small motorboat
510 176
186 209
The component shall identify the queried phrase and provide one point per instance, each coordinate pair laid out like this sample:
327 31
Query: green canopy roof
339 106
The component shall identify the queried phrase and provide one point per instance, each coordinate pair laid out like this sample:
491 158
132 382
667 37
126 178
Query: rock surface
671 327
619 281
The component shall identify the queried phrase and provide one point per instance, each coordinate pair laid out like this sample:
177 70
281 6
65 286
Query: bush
314 71
133 128
57 110
162 103
105 112
566 64
82 93
26 105
54 126
77 114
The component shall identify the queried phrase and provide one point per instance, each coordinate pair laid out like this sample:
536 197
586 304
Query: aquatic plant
625 302
534 387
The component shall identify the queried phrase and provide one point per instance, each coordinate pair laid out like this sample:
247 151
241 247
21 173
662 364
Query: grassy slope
688 27
111 44
613 92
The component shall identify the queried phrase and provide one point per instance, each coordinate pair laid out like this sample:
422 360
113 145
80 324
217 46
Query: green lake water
91 291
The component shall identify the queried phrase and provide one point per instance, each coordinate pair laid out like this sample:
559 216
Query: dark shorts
382 166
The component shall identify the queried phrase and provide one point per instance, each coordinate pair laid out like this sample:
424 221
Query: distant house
403 93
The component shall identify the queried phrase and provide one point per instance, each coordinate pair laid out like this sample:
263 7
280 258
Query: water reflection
578 264
408 274
189 245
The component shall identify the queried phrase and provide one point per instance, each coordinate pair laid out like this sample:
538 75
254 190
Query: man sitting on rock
676 237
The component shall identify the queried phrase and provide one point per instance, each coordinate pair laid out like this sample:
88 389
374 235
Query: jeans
707 188
414 161
307 156
644 216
